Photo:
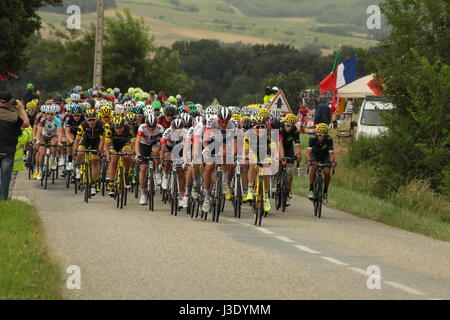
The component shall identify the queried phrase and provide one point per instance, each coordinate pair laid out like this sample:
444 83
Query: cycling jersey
72 124
163 122
50 128
289 139
119 141
90 137
320 150
213 128
150 137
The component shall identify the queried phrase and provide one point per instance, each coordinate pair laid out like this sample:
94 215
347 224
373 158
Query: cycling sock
188 190
70 158
311 187
325 190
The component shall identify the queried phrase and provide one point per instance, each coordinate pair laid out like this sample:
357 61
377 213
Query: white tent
357 89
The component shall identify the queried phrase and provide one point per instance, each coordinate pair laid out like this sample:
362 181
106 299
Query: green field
26 270
301 23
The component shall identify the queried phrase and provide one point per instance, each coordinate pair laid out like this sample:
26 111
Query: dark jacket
28 96
10 124
322 114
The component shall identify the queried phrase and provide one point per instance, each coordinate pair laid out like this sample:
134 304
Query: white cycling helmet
75 97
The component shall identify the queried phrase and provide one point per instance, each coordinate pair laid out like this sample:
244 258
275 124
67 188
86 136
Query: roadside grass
27 272
415 207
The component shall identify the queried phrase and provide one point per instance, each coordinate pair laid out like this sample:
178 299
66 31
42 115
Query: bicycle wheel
283 192
237 196
46 173
175 193
68 177
150 190
320 196
219 195
122 187
136 178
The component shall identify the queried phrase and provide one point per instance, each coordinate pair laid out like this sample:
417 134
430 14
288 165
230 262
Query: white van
370 122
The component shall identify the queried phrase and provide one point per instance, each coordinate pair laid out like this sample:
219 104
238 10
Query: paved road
137 254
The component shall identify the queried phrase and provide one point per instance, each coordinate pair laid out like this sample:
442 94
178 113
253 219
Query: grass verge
414 208
26 269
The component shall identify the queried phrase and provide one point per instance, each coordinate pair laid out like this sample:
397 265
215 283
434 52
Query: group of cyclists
173 136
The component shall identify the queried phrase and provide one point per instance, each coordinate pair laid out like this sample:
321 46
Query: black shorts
90 144
324 159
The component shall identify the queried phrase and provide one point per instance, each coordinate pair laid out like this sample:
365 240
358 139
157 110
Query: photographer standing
12 118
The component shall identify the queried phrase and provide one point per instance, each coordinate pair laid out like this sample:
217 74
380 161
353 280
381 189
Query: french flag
344 73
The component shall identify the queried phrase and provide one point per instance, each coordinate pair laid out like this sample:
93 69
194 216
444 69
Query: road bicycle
47 170
260 194
237 189
103 174
281 194
151 187
318 188
86 182
120 180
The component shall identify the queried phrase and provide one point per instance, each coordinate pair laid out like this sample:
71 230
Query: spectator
302 117
322 113
19 165
12 118
180 101
30 94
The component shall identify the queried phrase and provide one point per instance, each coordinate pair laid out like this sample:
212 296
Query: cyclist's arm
137 145
163 147
101 145
133 144
39 133
68 135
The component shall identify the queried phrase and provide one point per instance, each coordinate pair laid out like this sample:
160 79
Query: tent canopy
357 89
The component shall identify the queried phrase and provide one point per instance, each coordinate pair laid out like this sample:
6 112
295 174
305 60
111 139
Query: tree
19 21
414 67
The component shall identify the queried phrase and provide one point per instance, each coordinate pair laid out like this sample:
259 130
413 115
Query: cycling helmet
119 107
276 113
157 105
76 110
199 107
247 123
170 111
198 119
322 128
118 121
237 117
130 118
69 106
105 111
259 120
116 90
151 121
77 89
264 112
195 113
75 97
187 119
183 109
275 123
224 114
128 105
91 113
32 104
172 100
44 108
55 108
119 113
139 109
177 124
290 119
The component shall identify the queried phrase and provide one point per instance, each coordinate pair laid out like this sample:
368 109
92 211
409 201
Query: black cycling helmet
247 124
170 111
275 123
195 113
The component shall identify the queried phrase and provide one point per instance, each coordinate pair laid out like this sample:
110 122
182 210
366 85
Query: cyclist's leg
112 167
54 150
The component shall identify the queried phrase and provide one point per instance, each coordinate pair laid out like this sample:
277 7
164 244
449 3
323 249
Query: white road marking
284 239
306 249
246 224
405 288
361 271
335 261
231 220
265 231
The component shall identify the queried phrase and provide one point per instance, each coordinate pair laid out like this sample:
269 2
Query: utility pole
98 60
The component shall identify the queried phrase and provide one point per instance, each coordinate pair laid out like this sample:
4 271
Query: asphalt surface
137 254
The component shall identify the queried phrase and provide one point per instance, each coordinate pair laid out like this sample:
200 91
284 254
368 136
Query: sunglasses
321 135
91 120
260 127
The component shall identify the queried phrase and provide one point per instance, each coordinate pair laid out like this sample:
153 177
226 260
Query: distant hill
315 24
